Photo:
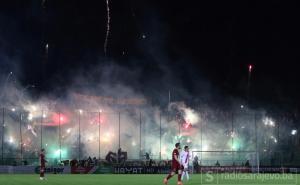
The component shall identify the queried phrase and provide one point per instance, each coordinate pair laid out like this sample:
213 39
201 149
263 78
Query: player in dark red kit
176 166
43 164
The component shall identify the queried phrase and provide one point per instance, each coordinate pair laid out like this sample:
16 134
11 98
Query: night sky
203 47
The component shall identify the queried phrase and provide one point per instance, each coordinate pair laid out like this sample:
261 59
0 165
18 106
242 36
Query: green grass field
247 179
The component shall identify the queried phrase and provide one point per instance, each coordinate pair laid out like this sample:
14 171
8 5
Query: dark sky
211 41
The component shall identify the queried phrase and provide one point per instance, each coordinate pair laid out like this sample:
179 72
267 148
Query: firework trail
107 27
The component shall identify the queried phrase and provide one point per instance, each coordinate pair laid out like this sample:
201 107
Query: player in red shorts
176 166
43 164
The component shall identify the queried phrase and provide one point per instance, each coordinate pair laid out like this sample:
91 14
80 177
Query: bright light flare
90 138
205 148
294 132
268 122
57 119
34 108
232 134
187 125
191 116
250 67
57 152
11 139
30 117
107 137
274 139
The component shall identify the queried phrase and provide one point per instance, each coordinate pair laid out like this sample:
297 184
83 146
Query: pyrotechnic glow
177 138
268 122
133 143
250 67
58 119
95 120
163 150
213 130
55 152
11 139
274 139
294 132
187 125
107 137
235 144
232 134
29 116
205 147
191 116
33 107
90 138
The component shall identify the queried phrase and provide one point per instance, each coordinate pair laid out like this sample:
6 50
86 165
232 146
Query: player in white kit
184 159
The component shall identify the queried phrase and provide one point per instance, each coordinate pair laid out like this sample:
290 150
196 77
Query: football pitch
95 179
